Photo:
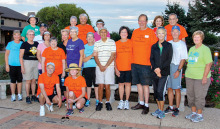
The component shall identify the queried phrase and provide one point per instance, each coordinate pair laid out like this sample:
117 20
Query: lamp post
216 57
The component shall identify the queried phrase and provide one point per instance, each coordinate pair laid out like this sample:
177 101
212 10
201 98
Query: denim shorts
141 74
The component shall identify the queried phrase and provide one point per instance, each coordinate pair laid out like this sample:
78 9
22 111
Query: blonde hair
16 32
154 22
30 31
200 33
163 29
77 75
65 30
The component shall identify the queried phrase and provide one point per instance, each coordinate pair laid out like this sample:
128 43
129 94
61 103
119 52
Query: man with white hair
84 28
174 81
45 91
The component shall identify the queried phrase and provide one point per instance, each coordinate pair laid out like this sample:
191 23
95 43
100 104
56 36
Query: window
19 24
2 22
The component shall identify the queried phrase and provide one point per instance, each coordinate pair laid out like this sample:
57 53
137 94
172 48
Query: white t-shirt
104 50
179 51
39 39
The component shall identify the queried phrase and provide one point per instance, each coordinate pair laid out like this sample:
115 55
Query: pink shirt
41 47
98 37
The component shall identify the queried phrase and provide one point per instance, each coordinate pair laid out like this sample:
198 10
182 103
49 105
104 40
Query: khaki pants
196 92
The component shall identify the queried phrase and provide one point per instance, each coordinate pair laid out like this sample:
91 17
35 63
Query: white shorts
106 77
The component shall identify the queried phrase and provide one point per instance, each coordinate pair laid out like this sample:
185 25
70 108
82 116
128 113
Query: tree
58 17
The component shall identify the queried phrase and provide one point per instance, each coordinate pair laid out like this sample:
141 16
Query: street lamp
216 57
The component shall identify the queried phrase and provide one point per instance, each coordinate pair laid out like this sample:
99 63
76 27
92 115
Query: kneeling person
45 89
76 89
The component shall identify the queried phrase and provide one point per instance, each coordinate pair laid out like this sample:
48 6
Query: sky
115 13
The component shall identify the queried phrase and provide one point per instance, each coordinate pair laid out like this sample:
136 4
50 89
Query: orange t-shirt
55 56
83 30
183 33
142 43
76 85
48 82
68 28
124 55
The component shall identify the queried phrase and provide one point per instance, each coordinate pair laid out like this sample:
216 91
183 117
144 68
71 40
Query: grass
217 105
2 58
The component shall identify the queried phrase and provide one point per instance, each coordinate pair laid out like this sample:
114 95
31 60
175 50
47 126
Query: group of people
86 58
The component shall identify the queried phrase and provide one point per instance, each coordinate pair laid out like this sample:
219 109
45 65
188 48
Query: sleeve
81 46
66 82
113 47
184 33
44 53
22 46
83 82
95 47
24 31
207 56
154 38
133 35
8 47
57 80
40 79
184 54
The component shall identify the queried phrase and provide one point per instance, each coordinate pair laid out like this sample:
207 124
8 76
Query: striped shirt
104 50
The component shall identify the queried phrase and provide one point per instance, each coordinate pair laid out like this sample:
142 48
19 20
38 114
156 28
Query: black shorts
125 76
89 74
141 74
15 74
160 85
51 97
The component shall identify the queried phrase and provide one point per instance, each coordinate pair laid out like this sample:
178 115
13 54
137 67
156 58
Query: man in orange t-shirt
45 91
143 38
84 28
173 22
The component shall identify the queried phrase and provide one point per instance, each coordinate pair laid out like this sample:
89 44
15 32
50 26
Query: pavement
19 115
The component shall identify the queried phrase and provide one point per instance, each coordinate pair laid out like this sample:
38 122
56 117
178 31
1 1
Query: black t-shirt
62 46
30 50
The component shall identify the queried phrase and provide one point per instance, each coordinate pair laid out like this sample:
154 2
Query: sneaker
96 102
87 103
190 116
34 98
42 111
69 112
198 118
108 106
28 100
126 105
145 110
74 105
121 105
161 115
168 110
175 112
81 110
20 97
99 107
138 106
156 112
13 98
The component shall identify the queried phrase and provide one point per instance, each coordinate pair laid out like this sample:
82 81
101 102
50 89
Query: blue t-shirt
88 51
72 50
14 48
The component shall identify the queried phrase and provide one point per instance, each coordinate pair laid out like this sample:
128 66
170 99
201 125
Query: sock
126 100
41 107
171 107
141 102
121 100
146 105
199 115
107 102
100 102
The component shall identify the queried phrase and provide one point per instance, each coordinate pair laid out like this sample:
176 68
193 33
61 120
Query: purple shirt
72 49
98 37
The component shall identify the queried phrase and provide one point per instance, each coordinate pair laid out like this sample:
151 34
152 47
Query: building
10 21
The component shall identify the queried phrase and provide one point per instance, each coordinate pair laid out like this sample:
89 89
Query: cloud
128 17
8 2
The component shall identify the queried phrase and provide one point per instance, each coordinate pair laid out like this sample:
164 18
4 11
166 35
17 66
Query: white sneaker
126 105
121 104
49 107
13 98
20 97
42 111
74 106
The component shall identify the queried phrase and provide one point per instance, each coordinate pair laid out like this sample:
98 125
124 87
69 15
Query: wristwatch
179 70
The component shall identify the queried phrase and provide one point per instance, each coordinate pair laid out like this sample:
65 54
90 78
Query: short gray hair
83 14
16 32
172 14
74 28
53 38
30 31
65 30
90 33
73 17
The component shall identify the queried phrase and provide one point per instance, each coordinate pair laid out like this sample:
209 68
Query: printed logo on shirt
33 50
193 57
36 29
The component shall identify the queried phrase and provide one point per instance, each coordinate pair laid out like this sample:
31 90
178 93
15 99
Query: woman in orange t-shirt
123 66
73 22
76 89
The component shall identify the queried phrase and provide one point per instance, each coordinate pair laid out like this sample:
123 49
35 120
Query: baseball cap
176 27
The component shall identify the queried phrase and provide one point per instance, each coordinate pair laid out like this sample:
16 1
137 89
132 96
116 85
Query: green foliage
115 35
2 58
210 39
214 89
3 74
58 17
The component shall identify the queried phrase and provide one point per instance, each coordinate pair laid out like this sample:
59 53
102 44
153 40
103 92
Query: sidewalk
19 115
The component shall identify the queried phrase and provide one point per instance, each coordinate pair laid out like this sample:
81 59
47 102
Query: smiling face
46 37
50 69
65 36
73 33
53 44
124 34
142 21
73 72
99 25
197 39
172 20
73 22
17 36
32 21
161 34
175 33
103 34
83 20
90 38
158 22
30 36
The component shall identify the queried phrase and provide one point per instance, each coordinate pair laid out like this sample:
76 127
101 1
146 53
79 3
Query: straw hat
74 66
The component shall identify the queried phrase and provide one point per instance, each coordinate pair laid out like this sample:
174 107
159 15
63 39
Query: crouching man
45 91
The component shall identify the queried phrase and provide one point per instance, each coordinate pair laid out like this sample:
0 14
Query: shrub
214 89
3 74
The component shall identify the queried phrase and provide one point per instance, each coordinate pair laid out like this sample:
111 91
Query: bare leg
96 93
127 90
27 87
89 92
13 86
146 93
178 97
71 96
161 105
80 103
42 100
33 86
107 92
193 109
55 99
170 96
140 92
158 104
199 111
19 86
121 90
100 91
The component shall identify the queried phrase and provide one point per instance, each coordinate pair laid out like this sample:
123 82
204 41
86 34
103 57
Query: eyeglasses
31 34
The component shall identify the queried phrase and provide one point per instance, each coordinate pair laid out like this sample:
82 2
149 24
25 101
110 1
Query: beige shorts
31 69
106 77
